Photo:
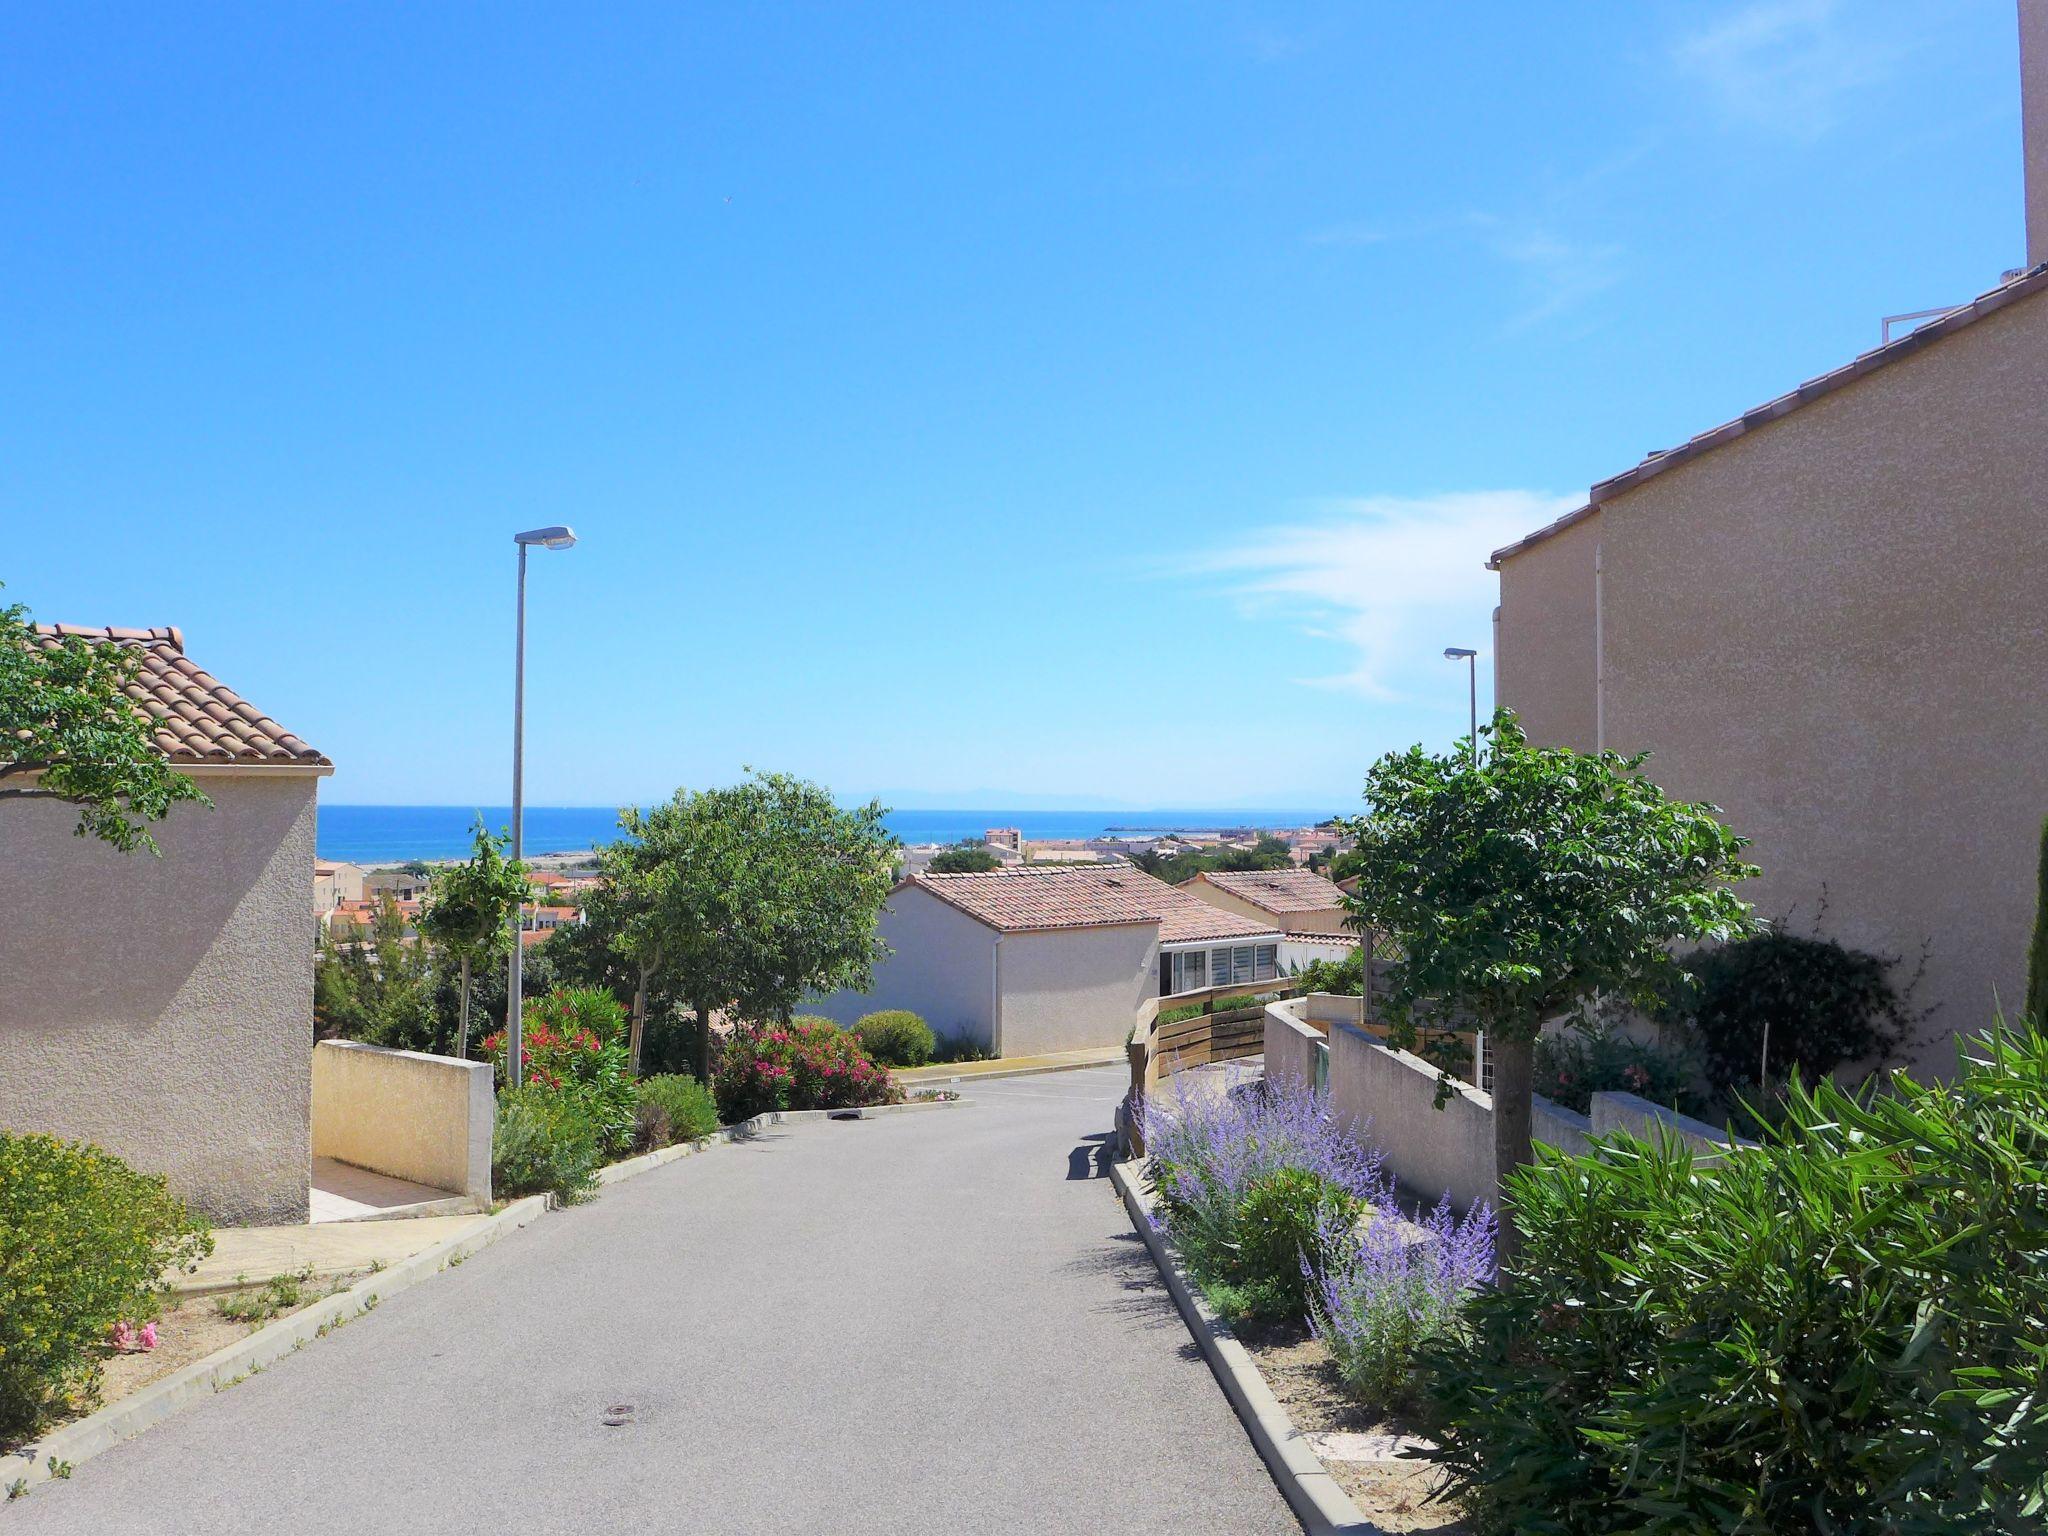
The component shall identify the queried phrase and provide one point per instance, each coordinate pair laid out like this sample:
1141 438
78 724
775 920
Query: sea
389 834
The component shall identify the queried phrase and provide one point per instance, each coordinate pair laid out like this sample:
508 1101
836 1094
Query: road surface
937 1322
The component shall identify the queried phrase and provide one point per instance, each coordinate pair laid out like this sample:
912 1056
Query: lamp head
556 537
1458 653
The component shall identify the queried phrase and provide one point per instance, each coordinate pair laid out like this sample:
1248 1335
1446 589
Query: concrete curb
235 1362
915 1083
661 1157
1323 1507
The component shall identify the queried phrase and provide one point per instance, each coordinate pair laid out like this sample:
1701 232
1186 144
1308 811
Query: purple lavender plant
1208 1147
1383 1291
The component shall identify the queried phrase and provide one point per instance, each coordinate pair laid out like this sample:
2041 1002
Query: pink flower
149 1335
124 1334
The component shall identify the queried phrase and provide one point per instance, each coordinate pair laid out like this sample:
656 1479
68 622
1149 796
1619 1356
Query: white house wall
1066 989
163 1007
942 968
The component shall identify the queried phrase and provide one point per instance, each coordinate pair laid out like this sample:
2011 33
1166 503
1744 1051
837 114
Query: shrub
961 1047
1377 1298
671 1109
1283 1221
544 1143
1572 1067
1219 1005
572 1045
84 1243
1216 1157
1774 1004
1841 1329
896 1038
808 1063
964 859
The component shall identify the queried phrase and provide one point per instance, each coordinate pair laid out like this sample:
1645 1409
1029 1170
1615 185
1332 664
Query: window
1241 965
1188 970
1266 962
1219 967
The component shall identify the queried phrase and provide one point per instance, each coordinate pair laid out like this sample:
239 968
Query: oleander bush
672 1108
1571 1067
896 1037
576 1047
85 1241
1842 1329
544 1143
808 1063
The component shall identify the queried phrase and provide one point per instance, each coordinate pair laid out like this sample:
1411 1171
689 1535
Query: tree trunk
462 1048
639 1023
704 1045
1513 1070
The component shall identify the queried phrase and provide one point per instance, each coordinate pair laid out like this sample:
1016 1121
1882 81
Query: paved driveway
923 1323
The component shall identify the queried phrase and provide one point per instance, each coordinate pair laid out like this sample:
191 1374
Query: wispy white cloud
1391 579
1354 233
1787 66
1558 273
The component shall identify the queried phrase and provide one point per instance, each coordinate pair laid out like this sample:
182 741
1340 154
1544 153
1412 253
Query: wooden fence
1210 1036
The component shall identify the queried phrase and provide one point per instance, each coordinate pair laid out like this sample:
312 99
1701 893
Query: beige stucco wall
1833 628
163 1008
1544 660
406 1114
942 967
1071 988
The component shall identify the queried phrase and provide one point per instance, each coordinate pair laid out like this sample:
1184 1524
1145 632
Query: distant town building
1004 837
1293 900
334 883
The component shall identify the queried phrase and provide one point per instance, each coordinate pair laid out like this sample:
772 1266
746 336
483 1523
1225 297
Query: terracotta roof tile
1090 896
1276 890
198 718
2032 281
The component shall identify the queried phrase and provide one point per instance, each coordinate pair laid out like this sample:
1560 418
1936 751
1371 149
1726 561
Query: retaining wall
406 1114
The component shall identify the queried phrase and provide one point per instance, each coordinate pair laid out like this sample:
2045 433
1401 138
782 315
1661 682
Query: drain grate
618 1414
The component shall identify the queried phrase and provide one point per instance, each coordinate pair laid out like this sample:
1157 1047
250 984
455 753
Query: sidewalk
941 1073
251 1255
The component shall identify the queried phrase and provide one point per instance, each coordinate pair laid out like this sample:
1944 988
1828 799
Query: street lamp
547 538
1471 660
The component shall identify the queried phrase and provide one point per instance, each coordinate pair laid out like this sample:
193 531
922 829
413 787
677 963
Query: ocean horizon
390 834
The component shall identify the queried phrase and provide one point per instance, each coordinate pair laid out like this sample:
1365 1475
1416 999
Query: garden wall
1388 1097
403 1113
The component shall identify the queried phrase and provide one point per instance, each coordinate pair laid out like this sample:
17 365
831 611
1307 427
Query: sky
993 405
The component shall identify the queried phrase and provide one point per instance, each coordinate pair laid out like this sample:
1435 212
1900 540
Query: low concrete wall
406 1114
1388 1098
1291 1045
1653 1122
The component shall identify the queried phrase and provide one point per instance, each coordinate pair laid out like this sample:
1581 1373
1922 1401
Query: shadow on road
1092 1158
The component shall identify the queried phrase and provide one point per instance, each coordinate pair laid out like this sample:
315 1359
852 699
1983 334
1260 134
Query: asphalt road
936 1322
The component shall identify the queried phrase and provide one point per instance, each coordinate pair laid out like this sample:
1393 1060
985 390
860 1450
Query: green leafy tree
2037 955
69 732
468 910
377 988
965 859
751 896
1522 887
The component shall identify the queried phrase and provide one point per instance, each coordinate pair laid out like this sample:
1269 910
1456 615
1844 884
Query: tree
2037 955
69 732
968 858
467 911
1524 886
752 896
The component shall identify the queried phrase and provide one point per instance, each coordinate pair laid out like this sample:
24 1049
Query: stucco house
1826 617
163 1007
1036 959
1292 900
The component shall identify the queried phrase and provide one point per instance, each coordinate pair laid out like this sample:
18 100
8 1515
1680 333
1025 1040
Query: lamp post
1471 660
547 538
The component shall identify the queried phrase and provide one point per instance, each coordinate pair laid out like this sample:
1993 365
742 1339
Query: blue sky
1094 403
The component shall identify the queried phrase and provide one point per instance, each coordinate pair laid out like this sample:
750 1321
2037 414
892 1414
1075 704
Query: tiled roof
2029 282
1031 899
1277 890
198 719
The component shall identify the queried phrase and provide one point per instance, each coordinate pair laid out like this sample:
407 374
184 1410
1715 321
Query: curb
661 1157
1323 1507
915 1083
235 1362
